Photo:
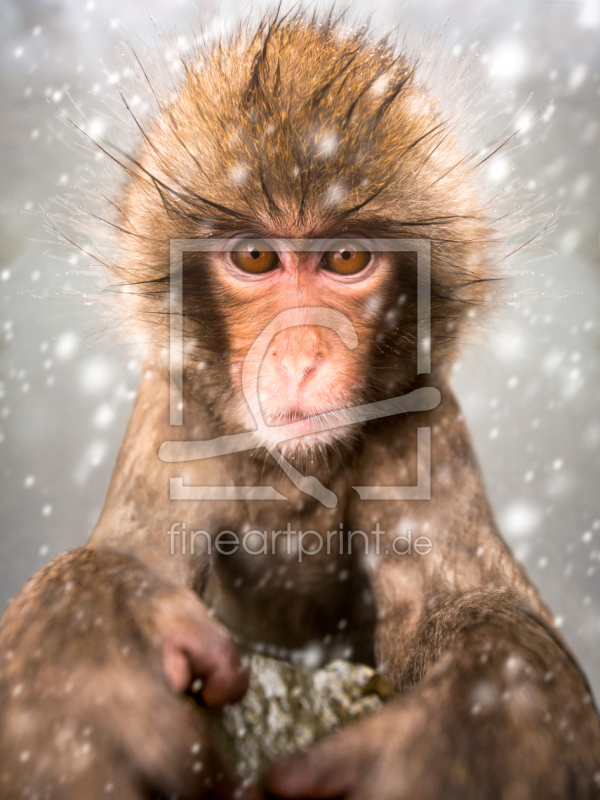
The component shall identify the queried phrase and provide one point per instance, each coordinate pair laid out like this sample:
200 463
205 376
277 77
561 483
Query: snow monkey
301 242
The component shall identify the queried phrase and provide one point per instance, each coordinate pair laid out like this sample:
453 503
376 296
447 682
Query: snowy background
530 391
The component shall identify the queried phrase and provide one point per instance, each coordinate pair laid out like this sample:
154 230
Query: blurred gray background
530 389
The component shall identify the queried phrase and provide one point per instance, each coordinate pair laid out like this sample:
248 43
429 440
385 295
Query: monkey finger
191 652
195 645
176 666
330 769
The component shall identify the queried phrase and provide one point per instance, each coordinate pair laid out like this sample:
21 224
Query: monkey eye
254 255
347 258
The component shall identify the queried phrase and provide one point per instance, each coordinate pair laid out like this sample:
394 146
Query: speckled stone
287 708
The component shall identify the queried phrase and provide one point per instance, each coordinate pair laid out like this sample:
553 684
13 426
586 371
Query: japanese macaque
305 167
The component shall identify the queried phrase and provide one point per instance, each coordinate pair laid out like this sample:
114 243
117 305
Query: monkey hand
383 756
96 653
461 735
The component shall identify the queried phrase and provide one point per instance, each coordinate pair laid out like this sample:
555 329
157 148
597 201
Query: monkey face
306 366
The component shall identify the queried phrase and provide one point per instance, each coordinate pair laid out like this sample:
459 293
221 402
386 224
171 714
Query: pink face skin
307 369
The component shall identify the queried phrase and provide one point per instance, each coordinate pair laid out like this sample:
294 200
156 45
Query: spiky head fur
297 127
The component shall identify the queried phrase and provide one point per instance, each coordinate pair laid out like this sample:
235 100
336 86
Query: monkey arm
96 651
500 710
98 648
139 512
495 705
437 549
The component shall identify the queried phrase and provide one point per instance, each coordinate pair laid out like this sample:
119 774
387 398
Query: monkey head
298 131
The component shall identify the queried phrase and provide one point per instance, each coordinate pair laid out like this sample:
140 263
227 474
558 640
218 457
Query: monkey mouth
310 433
276 418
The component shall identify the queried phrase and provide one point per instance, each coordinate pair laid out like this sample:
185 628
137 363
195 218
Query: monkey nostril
309 368
298 370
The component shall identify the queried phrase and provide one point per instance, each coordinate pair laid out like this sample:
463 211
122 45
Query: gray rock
287 708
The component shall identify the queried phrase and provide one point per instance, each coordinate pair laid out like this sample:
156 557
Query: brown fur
306 130
298 129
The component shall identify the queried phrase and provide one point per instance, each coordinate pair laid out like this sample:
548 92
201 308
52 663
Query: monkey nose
297 369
